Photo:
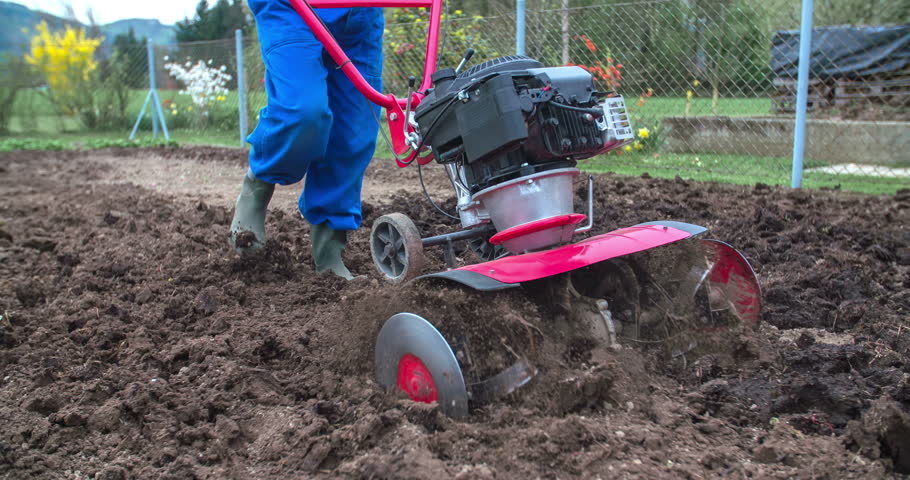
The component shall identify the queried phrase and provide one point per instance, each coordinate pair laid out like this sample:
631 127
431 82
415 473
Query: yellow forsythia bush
66 61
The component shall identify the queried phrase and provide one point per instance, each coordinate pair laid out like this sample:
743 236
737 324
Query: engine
511 117
511 120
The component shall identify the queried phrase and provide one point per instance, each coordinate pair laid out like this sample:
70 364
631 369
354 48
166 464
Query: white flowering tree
203 82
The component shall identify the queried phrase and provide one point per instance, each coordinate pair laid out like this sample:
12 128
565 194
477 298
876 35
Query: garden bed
135 344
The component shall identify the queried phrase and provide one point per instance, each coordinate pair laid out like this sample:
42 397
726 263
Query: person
316 126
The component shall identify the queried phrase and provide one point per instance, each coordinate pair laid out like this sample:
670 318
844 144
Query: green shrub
14 77
406 40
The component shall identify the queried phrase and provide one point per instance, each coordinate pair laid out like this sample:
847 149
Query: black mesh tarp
844 51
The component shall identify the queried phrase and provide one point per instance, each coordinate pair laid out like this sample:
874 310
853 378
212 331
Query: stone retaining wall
830 141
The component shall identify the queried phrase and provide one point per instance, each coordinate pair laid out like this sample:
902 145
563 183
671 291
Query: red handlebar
331 46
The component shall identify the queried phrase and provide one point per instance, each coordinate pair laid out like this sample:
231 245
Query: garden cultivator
509 132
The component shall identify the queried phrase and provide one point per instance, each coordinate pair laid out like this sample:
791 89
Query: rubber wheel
414 357
396 248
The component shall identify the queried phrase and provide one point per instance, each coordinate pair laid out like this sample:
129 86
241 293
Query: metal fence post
152 84
520 27
565 32
802 93
241 87
152 97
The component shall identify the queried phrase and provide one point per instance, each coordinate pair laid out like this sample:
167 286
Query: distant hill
144 27
16 17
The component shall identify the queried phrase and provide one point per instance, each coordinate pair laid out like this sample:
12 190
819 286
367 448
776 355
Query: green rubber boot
328 245
248 227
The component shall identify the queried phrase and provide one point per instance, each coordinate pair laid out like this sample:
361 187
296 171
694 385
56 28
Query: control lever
412 80
467 56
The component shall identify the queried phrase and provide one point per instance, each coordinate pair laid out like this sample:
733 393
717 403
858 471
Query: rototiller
509 132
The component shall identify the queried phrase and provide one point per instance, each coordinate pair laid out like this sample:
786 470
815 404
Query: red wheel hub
415 379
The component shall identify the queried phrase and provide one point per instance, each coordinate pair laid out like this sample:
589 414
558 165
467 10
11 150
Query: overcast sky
106 11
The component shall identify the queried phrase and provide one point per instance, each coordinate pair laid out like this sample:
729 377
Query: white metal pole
520 27
151 53
241 85
802 94
565 32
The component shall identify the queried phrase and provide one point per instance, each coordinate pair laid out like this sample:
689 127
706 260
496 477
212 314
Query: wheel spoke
402 257
397 266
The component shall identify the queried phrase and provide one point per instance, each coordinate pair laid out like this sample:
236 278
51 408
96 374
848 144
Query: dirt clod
245 239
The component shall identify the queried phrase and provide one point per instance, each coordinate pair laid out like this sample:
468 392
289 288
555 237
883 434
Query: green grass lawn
660 107
34 113
8 144
738 169
36 118
46 125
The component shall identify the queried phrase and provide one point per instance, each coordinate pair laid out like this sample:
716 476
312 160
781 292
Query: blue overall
316 124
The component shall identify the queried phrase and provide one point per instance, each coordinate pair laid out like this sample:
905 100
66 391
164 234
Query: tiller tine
722 285
412 355
731 283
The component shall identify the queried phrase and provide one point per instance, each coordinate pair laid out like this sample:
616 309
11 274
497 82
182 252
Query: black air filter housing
487 119
510 117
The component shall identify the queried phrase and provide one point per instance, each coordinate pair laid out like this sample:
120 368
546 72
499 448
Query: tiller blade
731 282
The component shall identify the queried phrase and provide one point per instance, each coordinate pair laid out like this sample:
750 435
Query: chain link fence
697 77
710 84
197 84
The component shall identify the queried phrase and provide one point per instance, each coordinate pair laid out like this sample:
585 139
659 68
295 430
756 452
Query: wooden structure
893 91
784 101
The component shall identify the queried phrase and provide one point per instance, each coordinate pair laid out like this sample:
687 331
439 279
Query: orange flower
615 72
588 43
608 72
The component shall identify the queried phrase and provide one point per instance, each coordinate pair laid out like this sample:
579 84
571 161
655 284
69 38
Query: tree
215 23
188 30
130 51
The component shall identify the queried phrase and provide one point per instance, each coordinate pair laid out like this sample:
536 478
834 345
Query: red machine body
537 265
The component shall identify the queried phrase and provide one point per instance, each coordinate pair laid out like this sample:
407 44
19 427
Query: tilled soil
135 344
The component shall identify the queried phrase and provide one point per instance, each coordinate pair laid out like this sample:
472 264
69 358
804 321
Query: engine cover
512 117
